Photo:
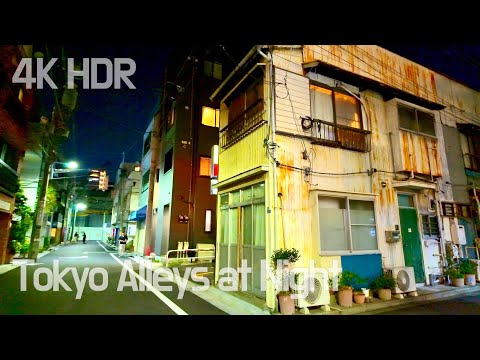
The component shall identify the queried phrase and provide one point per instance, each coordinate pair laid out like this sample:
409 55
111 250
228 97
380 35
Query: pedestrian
84 237
75 237
122 239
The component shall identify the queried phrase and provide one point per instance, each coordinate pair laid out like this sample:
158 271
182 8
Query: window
9 155
335 107
416 120
347 225
208 220
157 175
147 143
145 180
171 115
210 116
470 145
430 226
456 210
212 69
168 161
204 166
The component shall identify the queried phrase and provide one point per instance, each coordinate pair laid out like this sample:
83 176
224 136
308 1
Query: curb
400 303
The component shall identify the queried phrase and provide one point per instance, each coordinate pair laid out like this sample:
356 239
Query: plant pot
458 282
359 298
384 294
345 297
470 279
286 304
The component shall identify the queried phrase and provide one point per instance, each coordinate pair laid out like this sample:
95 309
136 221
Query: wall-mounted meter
392 236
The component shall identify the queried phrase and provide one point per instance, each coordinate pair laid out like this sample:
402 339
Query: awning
140 214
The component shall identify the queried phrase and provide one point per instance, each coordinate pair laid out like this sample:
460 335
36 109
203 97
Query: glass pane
333 234
209 116
217 71
259 225
259 191
224 199
426 123
204 166
224 226
362 212
233 226
247 225
406 118
321 104
347 110
405 200
247 194
235 197
364 237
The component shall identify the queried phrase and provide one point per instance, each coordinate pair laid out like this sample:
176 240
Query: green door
412 248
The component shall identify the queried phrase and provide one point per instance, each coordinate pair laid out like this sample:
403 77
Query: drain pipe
271 120
440 228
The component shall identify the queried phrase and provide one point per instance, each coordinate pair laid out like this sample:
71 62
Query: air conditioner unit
405 277
314 288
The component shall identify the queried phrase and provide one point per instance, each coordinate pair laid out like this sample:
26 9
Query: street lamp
79 206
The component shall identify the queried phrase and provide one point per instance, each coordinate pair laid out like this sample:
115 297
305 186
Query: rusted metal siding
292 100
244 155
377 64
419 154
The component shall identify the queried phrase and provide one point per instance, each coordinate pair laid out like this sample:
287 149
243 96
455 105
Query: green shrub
349 279
292 255
384 281
129 245
468 267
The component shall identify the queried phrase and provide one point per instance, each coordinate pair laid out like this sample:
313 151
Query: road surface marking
149 286
73 257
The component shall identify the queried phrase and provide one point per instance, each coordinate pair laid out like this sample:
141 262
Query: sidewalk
377 306
16 262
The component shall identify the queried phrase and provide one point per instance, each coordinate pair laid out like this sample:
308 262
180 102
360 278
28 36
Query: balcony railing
243 125
336 135
8 178
472 162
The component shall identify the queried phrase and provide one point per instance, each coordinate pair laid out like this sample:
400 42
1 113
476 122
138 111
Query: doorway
412 246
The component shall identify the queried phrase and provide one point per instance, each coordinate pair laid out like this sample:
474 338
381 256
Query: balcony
335 135
8 179
244 124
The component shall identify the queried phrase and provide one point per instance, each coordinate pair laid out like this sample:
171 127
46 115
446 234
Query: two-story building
339 151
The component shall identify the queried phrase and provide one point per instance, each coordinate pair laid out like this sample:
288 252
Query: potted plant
383 285
346 282
468 268
359 296
281 261
456 277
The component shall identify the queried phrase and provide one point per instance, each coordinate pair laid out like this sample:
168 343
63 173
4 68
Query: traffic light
103 182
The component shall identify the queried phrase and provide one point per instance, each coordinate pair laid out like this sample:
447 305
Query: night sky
108 122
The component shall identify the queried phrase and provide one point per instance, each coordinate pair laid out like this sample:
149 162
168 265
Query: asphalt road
465 305
31 289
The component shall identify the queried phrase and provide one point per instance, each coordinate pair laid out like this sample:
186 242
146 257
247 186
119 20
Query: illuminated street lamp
79 206
71 166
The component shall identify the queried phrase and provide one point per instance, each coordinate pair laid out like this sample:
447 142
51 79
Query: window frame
428 234
334 107
418 132
165 161
348 225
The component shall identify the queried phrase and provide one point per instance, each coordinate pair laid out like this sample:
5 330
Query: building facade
341 152
16 110
177 152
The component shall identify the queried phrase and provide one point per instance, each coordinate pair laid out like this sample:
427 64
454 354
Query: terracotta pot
470 279
359 298
345 297
286 304
458 282
384 294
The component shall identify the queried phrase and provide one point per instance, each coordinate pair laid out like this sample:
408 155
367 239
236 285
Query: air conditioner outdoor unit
315 290
405 277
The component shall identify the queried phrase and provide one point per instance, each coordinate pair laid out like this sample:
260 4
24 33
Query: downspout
274 170
440 228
